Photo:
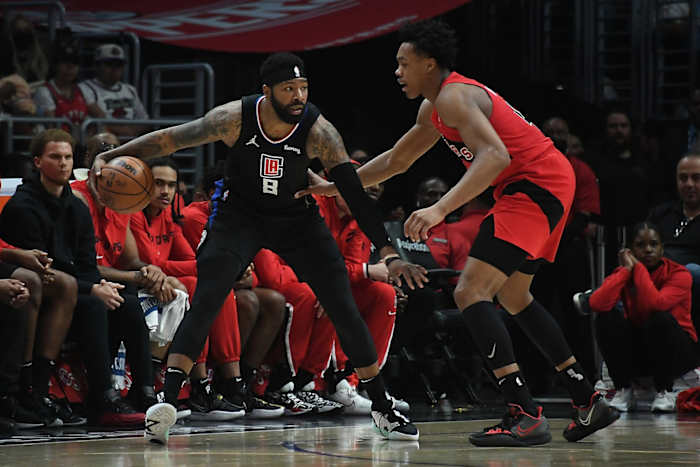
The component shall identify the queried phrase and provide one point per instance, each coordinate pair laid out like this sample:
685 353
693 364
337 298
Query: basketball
126 184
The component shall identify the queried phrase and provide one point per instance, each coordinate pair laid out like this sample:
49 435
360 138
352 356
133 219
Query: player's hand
626 259
378 272
34 260
108 292
413 274
246 280
13 293
152 278
421 221
317 186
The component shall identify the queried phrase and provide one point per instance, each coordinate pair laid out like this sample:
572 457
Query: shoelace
507 422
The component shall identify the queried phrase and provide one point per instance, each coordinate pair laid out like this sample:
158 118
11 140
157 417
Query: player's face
647 248
56 162
688 180
289 99
166 184
574 147
410 70
67 72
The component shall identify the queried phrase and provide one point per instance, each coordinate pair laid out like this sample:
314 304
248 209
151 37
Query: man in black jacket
44 214
679 224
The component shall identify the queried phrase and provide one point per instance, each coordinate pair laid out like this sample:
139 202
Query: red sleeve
587 195
192 227
272 272
181 261
146 247
609 293
4 244
674 290
356 251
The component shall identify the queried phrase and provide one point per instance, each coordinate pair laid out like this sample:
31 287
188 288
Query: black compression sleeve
361 205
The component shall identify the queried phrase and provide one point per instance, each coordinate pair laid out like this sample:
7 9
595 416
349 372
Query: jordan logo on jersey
252 142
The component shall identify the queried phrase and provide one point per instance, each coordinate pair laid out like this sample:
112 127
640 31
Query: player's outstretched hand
317 186
413 274
421 221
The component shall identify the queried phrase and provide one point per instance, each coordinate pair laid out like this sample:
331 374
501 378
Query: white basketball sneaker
392 425
353 403
159 418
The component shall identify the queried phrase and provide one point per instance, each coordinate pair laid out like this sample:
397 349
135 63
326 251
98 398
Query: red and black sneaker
588 420
115 411
518 428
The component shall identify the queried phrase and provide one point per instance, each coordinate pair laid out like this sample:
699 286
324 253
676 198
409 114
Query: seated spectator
651 334
50 310
30 61
160 241
261 310
16 96
679 223
107 96
375 298
308 341
31 220
557 282
61 96
623 177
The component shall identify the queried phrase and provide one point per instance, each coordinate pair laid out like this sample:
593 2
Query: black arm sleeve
363 208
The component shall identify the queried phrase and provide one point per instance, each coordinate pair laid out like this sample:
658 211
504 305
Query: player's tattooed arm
222 123
325 142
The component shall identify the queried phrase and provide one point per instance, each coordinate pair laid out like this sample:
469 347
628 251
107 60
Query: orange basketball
126 184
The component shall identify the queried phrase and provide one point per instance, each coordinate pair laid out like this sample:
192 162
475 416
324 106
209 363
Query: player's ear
430 64
267 90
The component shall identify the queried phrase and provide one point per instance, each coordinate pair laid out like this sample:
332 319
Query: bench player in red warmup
534 187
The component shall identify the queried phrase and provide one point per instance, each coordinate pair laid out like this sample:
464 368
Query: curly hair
432 38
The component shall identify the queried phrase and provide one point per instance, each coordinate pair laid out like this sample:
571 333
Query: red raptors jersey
110 228
533 155
74 110
162 243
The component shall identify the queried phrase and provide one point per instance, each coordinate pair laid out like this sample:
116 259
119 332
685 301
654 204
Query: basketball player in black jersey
273 138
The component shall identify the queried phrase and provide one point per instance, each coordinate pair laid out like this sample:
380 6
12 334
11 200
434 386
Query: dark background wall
355 88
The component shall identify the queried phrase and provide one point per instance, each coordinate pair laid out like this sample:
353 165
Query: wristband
387 261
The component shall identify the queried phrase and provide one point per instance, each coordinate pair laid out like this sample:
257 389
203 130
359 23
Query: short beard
282 113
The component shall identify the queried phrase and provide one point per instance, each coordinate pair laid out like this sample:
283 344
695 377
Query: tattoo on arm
326 143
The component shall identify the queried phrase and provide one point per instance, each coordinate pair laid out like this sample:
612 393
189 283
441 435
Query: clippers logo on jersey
271 166
462 152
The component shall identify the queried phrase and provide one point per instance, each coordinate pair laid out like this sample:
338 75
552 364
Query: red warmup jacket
272 271
195 217
450 243
352 241
667 289
587 194
110 228
162 243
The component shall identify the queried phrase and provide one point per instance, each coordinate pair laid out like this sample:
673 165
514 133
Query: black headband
285 73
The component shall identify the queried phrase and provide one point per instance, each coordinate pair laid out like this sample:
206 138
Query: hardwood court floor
635 440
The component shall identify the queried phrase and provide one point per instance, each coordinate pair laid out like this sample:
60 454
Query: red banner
252 26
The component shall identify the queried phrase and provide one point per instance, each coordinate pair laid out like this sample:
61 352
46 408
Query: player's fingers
301 194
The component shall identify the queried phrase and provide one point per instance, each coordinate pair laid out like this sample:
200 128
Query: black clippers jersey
263 175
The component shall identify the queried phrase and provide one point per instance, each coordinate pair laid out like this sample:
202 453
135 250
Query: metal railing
132 48
18 141
191 161
169 89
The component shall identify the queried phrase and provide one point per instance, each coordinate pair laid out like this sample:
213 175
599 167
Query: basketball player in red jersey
534 187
